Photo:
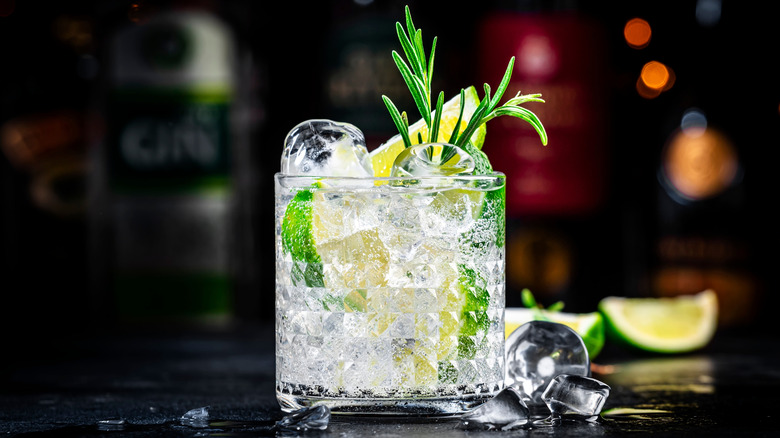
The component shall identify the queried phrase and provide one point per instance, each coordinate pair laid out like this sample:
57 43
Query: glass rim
296 177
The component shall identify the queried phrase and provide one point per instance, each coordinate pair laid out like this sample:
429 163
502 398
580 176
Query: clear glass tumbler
390 293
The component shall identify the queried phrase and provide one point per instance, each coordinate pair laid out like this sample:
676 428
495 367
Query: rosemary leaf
416 87
409 23
429 79
504 83
420 53
521 113
475 121
403 128
433 133
456 130
528 298
555 307
521 99
409 49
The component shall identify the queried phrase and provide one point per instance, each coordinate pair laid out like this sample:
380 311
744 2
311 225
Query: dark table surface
140 382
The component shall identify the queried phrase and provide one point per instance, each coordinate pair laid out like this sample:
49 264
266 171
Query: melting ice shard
537 351
323 147
198 417
505 411
575 397
311 418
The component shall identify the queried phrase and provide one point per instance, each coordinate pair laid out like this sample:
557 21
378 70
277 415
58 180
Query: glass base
423 406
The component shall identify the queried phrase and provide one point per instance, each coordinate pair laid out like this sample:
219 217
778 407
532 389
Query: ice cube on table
432 159
198 417
311 418
575 397
537 351
322 147
505 411
111 425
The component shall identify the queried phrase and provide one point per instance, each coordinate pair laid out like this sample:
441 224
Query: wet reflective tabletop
140 383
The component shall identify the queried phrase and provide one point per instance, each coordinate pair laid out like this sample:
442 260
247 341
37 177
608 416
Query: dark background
727 69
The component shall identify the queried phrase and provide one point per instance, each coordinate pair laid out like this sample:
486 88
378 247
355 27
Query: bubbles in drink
326 148
537 352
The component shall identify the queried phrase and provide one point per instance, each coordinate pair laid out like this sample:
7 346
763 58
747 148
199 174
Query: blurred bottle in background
171 184
557 244
701 235
695 221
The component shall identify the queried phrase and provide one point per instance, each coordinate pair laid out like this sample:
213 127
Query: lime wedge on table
664 325
590 326
382 157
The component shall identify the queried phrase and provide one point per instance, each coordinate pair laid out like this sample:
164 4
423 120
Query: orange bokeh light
655 75
654 79
701 163
637 33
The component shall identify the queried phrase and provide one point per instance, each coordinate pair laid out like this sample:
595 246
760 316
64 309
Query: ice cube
432 159
198 417
323 147
505 411
575 397
111 425
311 418
537 351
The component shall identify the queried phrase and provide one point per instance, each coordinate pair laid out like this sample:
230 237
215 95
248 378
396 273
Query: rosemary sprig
487 109
538 310
418 74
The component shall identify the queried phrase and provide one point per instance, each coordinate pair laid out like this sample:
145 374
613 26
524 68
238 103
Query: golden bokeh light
700 163
637 33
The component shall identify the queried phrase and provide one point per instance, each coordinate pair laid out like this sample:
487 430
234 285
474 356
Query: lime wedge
382 157
312 232
298 241
663 325
590 326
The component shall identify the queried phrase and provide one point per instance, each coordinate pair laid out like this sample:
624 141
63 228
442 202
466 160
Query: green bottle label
169 142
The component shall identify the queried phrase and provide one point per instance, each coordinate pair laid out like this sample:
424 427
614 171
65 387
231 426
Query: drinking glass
390 293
